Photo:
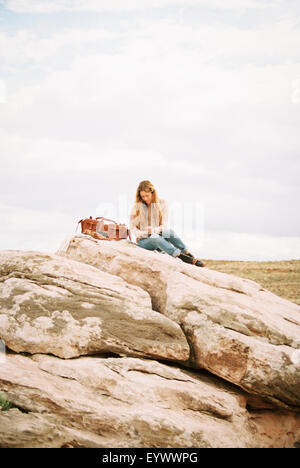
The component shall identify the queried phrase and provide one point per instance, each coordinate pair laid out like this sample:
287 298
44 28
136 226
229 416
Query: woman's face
146 196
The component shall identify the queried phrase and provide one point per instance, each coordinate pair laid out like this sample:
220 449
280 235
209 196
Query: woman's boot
190 259
188 253
185 258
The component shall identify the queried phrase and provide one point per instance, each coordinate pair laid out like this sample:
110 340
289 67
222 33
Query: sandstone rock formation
236 329
111 345
53 305
130 402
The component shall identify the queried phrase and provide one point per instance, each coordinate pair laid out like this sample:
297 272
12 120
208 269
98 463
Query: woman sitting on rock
148 223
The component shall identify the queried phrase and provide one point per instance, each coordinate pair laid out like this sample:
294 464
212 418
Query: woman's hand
149 229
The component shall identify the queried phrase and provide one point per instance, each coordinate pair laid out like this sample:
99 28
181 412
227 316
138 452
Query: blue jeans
168 241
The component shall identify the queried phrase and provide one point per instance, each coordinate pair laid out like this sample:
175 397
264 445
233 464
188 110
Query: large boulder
236 328
131 402
50 304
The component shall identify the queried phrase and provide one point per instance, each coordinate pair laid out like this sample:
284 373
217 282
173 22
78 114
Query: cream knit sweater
149 216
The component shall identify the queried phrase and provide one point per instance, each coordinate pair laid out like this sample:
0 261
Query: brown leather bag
99 230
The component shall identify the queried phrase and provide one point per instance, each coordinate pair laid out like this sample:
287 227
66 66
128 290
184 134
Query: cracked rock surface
130 402
235 328
111 345
50 304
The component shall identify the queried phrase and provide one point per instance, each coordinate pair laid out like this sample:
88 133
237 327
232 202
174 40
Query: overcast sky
201 97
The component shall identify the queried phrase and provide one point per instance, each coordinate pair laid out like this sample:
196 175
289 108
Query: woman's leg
172 237
155 241
186 255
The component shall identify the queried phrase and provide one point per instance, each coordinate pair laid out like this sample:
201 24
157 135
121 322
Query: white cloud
42 155
26 47
54 6
2 91
214 64
226 245
30 229
192 105
174 73
295 92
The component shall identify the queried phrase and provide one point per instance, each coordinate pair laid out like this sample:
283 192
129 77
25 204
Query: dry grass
281 277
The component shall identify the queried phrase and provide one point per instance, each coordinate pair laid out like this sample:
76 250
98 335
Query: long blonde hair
147 186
